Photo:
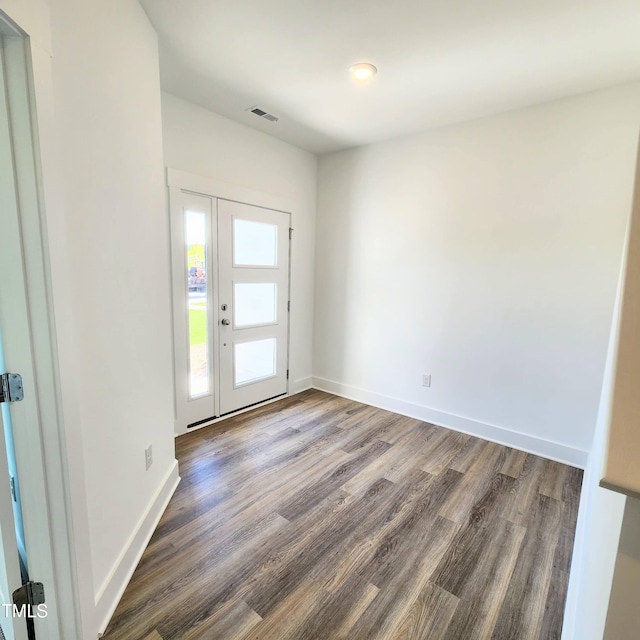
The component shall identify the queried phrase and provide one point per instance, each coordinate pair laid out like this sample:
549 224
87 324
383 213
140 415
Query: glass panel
254 303
255 244
254 360
195 233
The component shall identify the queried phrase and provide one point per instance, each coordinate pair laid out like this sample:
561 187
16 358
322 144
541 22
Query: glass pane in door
196 240
255 360
255 244
254 303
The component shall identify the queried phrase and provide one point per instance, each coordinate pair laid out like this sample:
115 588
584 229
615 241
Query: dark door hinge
289 305
11 387
290 233
30 593
287 374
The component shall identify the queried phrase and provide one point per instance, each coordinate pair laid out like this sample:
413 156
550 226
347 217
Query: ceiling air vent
263 114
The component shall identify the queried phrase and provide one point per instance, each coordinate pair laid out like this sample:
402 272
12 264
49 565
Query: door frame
38 423
177 182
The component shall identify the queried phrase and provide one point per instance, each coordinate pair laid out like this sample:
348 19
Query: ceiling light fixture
363 71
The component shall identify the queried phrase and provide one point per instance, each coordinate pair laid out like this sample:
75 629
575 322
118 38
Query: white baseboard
113 587
301 384
531 444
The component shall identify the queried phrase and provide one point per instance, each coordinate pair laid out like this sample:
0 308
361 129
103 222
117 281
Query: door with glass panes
231 299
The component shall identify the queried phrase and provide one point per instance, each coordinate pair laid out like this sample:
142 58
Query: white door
13 320
253 255
231 293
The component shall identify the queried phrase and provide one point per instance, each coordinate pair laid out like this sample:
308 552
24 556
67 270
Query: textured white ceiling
438 62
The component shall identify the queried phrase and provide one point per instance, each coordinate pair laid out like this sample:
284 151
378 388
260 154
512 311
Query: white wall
487 255
206 144
110 264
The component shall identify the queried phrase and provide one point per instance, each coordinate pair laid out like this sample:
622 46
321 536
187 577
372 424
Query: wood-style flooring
317 517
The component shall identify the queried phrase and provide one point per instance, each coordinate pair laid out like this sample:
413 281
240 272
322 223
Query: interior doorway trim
39 427
178 180
182 182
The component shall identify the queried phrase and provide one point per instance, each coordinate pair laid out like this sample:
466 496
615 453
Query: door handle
225 321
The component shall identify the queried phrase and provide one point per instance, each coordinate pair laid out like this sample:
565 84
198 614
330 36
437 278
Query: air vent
263 114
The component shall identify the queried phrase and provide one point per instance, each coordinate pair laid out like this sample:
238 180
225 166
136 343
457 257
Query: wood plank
401 588
486 566
356 611
523 608
554 608
474 483
553 480
473 543
514 463
429 615
443 450
468 455
386 464
571 496
288 616
525 494
231 619
564 549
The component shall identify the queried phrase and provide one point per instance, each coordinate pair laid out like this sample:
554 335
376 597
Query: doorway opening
231 274
36 537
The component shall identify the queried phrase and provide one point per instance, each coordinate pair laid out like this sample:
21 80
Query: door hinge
11 387
290 233
12 484
30 593
287 374
289 305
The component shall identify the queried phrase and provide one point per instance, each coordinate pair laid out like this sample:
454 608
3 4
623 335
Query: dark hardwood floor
317 518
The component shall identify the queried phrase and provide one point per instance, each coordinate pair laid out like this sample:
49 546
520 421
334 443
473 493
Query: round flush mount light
363 71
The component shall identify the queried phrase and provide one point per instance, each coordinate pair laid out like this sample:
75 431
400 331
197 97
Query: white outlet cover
426 380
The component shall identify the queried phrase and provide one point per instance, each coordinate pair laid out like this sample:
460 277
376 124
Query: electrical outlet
426 380
148 456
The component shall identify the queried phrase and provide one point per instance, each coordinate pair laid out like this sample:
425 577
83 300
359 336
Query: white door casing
49 475
14 323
